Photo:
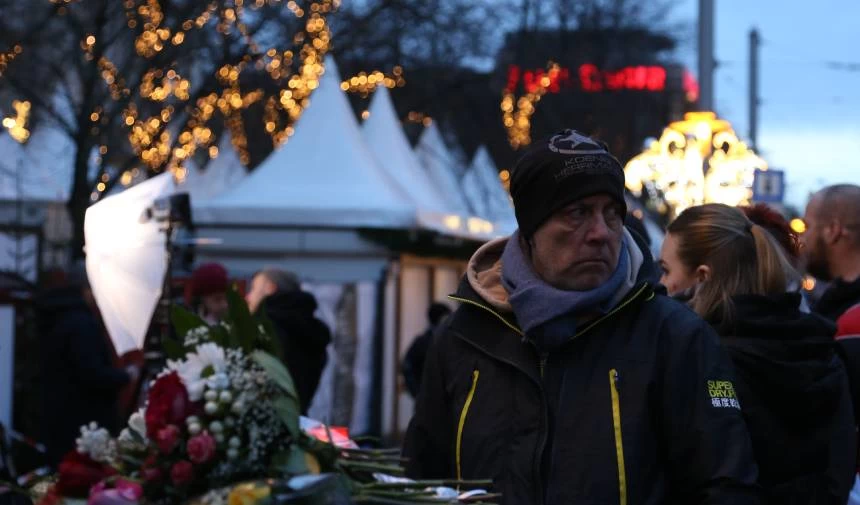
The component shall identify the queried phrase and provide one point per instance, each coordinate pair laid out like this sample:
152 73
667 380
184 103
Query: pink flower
123 492
151 474
181 473
167 438
201 448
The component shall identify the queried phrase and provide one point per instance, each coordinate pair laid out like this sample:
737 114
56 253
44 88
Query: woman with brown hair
791 385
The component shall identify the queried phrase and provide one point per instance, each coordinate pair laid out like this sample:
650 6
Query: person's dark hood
788 357
293 313
838 298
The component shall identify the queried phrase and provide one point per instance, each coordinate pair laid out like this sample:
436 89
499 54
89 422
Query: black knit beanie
557 171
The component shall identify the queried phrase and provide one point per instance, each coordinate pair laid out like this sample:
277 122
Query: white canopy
219 175
439 164
40 169
126 260
496 201
324 176
389 144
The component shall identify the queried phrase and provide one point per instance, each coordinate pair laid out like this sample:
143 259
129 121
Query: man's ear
703 273
832 232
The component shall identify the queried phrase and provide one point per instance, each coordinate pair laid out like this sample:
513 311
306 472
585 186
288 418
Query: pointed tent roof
222 173
324 175
499 206
439 164
388 142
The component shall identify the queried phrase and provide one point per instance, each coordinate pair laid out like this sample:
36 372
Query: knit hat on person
560 170
208 279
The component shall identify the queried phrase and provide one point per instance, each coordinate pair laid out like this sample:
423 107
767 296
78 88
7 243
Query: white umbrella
126 260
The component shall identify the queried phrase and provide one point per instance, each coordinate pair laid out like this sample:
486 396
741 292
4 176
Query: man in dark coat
831 247
413 362
303 337
564 376
80 383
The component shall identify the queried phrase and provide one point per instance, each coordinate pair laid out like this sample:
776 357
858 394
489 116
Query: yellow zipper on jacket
619 445
462 424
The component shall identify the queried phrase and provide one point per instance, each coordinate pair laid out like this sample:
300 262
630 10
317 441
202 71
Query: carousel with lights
696 160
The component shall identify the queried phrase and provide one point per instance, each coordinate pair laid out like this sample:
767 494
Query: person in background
207 292
413 362
831 247
80 382
791 384
303 337
564 375
780 229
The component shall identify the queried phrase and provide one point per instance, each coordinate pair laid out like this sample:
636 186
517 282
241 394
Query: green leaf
184 320
218 335
277 372
243 331
272 343
288 410
292 462
172 348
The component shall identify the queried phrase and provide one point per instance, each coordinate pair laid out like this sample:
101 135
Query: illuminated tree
146 84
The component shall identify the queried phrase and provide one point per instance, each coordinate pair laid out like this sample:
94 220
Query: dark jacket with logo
794 393
646 412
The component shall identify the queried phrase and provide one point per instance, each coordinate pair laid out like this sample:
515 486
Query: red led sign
589 78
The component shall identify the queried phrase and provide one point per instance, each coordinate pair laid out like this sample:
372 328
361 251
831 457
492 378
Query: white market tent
388 142
220 174
498 205
126 260
323 177
440 165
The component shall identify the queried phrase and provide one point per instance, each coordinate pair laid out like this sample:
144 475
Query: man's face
578 248
812 242
261 287
215 306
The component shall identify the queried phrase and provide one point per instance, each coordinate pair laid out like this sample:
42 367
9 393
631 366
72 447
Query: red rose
168 404
167 438
181 473
78 473
201 448
151 474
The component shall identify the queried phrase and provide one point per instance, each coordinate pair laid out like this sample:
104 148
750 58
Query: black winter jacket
838 298
303 339
647 413
80 383
794 393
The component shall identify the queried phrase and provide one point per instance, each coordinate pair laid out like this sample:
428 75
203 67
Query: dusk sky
809 119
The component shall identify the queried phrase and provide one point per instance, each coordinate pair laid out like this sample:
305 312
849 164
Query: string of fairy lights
517 112
150 138
297 70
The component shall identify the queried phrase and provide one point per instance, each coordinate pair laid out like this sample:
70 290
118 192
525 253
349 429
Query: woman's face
677 277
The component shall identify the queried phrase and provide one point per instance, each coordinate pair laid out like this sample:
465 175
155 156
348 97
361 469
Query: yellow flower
248 494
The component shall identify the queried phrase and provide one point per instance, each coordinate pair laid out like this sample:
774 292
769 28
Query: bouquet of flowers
224 411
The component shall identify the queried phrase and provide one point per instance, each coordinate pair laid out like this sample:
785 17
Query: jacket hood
484 271
788 355
294 311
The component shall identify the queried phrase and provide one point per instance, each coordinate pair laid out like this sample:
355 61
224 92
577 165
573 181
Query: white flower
97 443
137 425
208 359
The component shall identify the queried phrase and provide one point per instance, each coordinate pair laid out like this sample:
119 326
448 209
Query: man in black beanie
565 375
